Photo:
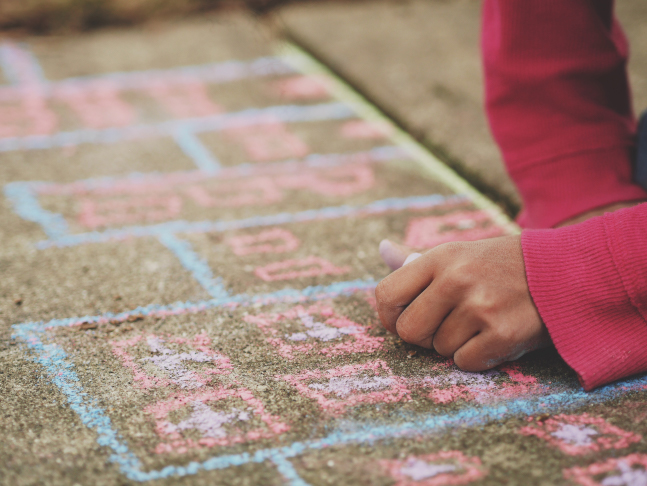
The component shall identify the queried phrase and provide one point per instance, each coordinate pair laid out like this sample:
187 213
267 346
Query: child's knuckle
383 294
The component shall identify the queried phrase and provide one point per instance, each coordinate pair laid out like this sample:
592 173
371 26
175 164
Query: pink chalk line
439 469
101 107
275 240
96 213
338 389
217 428
482 387
170 363
268 141
138 184
187 99
581 434
158 203
311 266
296 88
259 191
26 116
629 470
362 129
313 336
431 231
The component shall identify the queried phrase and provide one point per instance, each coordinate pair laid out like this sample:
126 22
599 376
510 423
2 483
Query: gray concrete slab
419 61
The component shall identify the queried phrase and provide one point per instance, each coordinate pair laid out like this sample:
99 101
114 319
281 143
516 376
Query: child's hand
468 300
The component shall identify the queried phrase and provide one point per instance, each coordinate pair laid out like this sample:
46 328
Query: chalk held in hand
411 258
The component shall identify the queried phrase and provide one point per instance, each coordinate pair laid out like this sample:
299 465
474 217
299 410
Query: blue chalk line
212 73
12 74
212 123
202 157
25 203
198 267
181 226
23 195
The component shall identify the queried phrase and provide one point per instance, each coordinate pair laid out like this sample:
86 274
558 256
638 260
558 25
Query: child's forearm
589 283
559 106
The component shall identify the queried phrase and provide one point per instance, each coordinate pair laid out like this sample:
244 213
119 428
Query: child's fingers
398 290
419 321
455 330
483 352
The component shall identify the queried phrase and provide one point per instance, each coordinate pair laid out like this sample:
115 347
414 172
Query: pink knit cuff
588 282
556 190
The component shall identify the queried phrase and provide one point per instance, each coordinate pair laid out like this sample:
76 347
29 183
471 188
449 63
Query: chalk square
622 471
451 384
344 387
578 435
316 329
439 469
161 361
221 416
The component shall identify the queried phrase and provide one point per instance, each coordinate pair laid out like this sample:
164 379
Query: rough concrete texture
419 60
189 252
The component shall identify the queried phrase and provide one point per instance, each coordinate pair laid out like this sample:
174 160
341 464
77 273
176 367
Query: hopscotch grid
54 359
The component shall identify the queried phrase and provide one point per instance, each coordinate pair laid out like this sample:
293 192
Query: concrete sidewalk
190 222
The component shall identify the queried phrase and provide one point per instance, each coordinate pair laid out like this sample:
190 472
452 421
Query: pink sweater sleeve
558 102
589 282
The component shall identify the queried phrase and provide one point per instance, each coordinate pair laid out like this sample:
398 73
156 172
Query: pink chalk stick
27 115
361 129
626 471
439 469
338 389
187 99
311 266
274 240
315 334
302 88
98 107
269 141
246 192
581 434
107 212
431 231
217 428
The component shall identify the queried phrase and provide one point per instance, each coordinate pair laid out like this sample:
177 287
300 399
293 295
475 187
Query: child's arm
484 302
559 106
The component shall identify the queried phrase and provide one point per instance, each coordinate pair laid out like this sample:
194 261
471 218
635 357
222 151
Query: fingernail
411 258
